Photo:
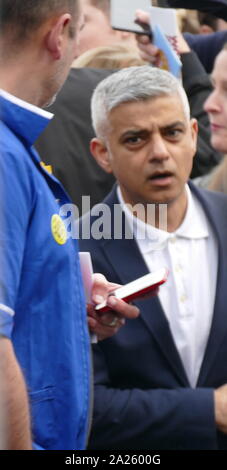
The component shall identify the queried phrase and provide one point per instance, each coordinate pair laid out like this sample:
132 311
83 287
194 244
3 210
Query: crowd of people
132 138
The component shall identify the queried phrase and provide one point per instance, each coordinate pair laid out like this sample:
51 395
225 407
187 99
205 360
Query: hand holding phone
137 289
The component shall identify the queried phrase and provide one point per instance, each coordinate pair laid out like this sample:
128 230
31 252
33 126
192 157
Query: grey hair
139 83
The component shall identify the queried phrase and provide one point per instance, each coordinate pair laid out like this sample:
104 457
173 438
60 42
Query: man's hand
220 408
148 51
109 323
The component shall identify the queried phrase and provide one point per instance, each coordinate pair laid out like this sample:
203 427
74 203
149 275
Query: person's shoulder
217 37
15 160
220 36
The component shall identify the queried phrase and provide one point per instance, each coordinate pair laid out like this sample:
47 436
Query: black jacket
216 7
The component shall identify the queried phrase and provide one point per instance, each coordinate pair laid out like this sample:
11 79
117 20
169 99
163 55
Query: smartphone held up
138 288
123 15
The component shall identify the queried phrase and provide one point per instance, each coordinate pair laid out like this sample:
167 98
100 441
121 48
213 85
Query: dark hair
24 16
207 19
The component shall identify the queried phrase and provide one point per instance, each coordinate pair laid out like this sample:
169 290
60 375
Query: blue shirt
42 304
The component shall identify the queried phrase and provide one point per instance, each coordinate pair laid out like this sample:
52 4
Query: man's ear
194 133
100 153
56 35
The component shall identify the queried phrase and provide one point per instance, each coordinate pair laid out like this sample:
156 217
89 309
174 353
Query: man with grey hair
160 383
112 93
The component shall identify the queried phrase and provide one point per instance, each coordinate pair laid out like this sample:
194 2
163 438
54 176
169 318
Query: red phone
135 289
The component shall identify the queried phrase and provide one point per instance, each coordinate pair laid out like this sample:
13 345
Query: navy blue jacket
215 7
207 46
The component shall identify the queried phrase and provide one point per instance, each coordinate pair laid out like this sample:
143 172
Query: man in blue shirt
42 307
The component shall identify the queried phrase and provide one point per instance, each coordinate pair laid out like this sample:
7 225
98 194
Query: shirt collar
194 225
25 119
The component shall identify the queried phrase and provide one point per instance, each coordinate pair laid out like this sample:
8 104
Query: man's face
216 104
151 145
96 29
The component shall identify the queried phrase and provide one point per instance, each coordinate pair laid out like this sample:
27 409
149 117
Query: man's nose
158 149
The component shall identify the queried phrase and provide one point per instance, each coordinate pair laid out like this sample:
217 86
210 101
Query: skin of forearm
14 409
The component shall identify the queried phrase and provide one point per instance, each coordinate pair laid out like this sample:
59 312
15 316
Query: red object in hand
136 289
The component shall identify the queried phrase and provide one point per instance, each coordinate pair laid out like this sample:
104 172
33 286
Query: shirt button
172 240
183 298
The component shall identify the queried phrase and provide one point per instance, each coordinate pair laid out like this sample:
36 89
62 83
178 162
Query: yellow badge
48 168
58 229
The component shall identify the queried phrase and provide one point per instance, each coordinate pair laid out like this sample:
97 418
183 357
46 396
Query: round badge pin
58 229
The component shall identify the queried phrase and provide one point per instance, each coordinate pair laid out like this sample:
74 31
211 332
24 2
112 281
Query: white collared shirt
191 256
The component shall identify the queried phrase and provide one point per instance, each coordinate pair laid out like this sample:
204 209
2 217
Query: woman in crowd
216 107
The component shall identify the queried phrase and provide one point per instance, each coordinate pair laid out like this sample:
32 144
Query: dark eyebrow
144 131
133 133
173 125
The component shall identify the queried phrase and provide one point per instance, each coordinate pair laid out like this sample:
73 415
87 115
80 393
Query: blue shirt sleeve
15 204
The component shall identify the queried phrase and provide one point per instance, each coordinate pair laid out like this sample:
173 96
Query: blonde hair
188 21
116 56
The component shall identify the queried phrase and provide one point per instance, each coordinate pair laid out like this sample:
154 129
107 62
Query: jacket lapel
216 212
